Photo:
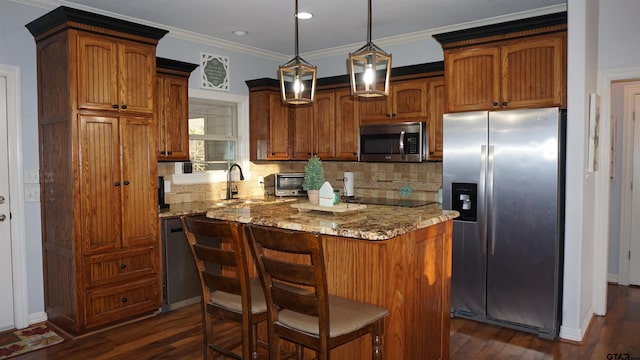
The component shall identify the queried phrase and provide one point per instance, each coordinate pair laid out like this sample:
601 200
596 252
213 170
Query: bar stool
227 289
308 315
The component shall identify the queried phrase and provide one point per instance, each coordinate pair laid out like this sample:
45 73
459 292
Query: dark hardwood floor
178 335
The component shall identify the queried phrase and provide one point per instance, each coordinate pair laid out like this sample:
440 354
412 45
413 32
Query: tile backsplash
371 180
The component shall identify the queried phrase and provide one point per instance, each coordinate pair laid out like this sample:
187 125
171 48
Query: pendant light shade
297 77
369 68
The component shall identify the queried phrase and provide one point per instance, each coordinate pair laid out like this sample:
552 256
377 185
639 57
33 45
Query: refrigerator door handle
481 195
489 188
401 148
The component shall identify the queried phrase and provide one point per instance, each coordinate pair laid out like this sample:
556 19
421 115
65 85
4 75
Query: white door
634 258
6 273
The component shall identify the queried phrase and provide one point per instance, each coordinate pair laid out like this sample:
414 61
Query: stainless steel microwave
284 184
393 142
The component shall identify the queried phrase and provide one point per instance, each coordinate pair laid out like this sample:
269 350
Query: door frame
603 185
624 264
16 193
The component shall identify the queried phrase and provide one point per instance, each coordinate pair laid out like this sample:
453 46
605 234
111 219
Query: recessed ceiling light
304 15
240 32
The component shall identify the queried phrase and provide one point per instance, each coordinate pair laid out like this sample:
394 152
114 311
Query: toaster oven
284 184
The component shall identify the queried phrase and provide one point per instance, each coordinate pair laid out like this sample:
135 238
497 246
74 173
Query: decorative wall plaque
214 72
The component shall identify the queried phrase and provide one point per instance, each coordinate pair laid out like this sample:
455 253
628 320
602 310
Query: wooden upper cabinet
302 144
324 129
407 100
346 126
269 126
512 65
473 78
115 74
533 73
434 122
172 108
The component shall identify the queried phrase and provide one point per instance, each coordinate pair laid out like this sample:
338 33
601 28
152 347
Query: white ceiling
335 23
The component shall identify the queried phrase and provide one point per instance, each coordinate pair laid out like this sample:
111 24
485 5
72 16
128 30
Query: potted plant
313 178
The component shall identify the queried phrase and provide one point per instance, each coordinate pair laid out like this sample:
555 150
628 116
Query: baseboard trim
37 317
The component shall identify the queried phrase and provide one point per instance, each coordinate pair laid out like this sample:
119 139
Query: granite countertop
373 222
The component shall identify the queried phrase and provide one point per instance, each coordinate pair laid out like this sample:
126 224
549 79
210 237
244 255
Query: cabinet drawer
120 266
116 303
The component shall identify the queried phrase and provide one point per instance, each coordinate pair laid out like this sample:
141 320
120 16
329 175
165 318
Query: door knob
2 217
1 199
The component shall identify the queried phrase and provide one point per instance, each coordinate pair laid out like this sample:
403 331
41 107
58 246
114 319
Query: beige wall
371 180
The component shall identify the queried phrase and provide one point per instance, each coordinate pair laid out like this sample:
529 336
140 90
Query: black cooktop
389 202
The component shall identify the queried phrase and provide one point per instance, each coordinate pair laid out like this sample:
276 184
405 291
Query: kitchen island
395 257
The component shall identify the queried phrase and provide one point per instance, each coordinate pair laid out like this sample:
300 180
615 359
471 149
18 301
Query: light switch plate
31 177
32 194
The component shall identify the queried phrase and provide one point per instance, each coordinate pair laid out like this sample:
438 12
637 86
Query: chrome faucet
230 191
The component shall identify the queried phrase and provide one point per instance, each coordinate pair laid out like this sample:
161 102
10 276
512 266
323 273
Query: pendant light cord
296 16
368 24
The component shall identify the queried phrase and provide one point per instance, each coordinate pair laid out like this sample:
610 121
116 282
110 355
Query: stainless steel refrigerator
504 172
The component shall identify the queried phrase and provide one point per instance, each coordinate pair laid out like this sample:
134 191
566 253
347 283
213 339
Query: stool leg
376 341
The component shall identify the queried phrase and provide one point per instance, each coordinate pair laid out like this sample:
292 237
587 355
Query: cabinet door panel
346 126
473 79
278 147
97 73
323 135
176 136
533 73
301 138
436 112
100 184
137 69
139 187
376 109
409 99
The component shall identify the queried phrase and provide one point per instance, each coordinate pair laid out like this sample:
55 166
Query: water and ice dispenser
464 199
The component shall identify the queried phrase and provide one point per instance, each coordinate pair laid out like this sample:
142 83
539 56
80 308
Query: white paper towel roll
348 184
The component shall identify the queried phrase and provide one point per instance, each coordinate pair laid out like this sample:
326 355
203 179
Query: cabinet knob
169 152
124 107
495 104
115 106
124 300
504 103
126 182
273 154
162 152
123 266
117 183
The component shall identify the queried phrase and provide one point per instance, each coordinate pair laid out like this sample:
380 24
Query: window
213 134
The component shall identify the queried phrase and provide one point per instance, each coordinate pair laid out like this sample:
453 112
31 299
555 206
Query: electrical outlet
31 177
167 186
32 194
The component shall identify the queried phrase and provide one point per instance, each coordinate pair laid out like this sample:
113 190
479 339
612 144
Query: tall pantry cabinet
98 168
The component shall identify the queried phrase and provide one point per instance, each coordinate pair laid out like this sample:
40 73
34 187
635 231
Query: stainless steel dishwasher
180 282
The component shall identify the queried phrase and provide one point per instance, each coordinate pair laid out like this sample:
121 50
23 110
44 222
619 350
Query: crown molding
340 50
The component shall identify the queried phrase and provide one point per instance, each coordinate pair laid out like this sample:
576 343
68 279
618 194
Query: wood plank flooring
178 335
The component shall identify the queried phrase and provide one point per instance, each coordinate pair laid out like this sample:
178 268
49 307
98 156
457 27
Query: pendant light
297 77
368 66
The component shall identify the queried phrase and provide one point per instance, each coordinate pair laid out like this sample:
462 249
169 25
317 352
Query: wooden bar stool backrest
227 290
292 270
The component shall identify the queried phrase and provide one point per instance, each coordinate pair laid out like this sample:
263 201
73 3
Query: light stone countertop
375 222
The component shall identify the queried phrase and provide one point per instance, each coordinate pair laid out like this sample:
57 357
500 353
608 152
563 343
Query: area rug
33 338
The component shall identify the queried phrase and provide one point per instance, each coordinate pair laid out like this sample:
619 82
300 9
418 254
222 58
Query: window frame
242 145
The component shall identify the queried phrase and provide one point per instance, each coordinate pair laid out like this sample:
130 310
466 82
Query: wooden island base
408 274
